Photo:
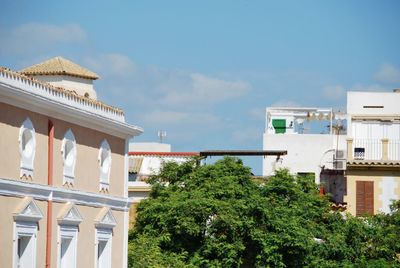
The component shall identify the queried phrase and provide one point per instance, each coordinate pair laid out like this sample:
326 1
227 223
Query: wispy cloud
257 113
112 64
181 101
334 93
34 37
163 117
250 135
202 89
373 87
285 103
388 73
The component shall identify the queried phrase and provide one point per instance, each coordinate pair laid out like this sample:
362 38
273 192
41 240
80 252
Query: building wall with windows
64 176
384 187
7 231
87 151
373 147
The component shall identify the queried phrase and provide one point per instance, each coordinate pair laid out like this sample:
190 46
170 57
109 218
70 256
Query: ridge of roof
70 93
59 66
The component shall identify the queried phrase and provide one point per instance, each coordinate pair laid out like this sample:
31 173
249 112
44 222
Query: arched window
68 151
105 164
27 147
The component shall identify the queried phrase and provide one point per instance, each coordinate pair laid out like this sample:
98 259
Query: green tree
217 216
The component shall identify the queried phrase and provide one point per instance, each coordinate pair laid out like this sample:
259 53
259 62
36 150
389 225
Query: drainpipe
50 201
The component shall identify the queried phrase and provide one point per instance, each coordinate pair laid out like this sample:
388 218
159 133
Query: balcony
373 150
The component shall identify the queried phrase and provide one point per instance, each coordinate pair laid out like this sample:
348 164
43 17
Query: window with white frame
103 247
25 232
27 147
105 165
68 150
104 222
67 246
25 244
68 235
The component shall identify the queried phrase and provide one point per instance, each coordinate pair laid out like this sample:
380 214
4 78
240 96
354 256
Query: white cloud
334 93
248 135
257 113
34 37
285 103
374 87
202 89
388 73
164 117
168 117
112 64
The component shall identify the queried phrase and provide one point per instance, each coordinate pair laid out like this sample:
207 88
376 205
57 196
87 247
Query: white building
373 159
307 153
145 160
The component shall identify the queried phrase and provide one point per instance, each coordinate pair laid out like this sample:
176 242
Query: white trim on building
61 195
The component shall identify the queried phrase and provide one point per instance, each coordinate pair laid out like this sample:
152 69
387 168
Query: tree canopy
218 216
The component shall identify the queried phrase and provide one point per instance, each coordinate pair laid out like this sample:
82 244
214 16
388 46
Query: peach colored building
64 170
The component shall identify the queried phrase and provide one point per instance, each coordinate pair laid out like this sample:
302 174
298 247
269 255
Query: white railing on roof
367 149
374 149
394 150
60 95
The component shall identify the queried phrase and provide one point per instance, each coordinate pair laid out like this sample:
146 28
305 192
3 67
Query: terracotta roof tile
59 66
374 162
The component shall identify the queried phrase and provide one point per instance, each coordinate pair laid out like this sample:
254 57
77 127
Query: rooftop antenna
162 134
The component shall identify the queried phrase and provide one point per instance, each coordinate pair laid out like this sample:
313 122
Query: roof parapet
59 94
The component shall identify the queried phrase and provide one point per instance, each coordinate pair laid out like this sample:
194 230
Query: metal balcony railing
373 149
367 149
394 150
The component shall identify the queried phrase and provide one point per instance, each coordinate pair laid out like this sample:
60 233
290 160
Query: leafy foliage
217 216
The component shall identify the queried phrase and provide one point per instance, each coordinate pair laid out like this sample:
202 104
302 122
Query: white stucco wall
372 116
152 164
149 147
388 186
357 100
306 152
79 85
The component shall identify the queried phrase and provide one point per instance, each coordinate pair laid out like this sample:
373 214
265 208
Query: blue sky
205 71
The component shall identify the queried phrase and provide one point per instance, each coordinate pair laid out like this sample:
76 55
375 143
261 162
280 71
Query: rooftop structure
64 73
307 152
40 95
59 66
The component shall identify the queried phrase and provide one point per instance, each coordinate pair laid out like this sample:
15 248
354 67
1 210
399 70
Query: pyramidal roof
59 66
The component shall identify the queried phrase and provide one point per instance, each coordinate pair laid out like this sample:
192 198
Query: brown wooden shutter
364 197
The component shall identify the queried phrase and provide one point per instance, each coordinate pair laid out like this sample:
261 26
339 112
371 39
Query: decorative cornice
28 211
43 192
59 93
70 215
43 98
105 219
384 118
